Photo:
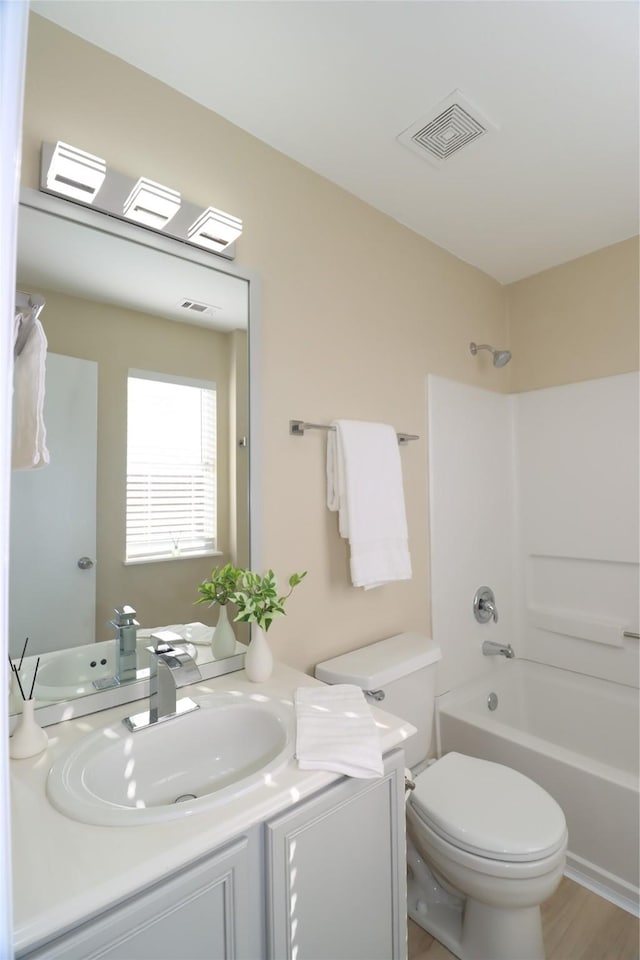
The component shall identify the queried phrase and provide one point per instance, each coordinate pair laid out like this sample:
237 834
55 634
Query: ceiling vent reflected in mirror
204 309
76 175
451 125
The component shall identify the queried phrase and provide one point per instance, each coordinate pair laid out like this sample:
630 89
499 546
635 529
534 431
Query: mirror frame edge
139 689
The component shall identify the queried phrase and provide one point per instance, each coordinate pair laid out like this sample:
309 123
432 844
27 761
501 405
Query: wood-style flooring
577 925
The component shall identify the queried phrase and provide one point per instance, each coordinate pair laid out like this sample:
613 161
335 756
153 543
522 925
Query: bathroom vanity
308 864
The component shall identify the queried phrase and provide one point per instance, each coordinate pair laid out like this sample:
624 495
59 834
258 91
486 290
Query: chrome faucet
126 627
492 649
170 667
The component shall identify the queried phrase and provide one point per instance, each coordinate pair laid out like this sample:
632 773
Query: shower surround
535 496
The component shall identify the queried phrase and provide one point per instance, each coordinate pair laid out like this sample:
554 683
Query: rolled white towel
336 731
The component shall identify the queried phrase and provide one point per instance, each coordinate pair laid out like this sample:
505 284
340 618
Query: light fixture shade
215 229
75 173
151 204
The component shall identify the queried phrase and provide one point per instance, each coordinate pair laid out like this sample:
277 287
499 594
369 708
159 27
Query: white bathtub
578 738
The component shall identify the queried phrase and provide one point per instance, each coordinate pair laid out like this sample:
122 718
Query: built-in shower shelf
608 632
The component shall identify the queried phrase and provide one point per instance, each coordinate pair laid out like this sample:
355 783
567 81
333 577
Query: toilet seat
488 810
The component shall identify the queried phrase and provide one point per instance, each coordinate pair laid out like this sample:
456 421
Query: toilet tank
404 667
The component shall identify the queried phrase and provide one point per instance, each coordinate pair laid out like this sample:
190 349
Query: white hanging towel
29 432
336 731
364 485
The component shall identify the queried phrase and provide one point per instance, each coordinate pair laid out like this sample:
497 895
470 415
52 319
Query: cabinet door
204 912
336 873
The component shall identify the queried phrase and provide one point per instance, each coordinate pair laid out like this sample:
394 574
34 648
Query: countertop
64 871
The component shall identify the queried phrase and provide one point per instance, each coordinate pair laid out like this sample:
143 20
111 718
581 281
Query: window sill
136 561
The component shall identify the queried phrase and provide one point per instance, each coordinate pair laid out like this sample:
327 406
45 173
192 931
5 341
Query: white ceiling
333 84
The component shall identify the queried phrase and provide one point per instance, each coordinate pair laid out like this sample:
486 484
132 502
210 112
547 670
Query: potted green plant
258 601
219 589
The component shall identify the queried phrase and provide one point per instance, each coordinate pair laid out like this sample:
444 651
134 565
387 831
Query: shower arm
482 346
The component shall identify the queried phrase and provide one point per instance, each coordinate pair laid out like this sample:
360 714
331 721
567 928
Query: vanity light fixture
151 204
215 229
75 173
78 176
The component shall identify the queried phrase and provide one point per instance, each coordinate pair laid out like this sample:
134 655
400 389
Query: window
171 467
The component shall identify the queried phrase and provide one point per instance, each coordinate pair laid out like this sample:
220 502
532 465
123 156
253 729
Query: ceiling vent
450 126
203 309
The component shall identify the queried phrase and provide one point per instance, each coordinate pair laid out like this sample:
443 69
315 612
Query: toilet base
430 905
485 933
441 920
469 929
501 933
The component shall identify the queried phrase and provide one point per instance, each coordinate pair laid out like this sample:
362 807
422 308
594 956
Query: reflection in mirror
146 412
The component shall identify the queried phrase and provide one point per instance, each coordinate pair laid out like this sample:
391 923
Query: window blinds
171 468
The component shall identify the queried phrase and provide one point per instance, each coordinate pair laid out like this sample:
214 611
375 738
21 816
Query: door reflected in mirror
123 514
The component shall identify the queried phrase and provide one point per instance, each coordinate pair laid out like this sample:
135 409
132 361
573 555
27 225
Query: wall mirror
127 313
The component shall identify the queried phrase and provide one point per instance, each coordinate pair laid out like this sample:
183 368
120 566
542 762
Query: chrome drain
185 796
492 701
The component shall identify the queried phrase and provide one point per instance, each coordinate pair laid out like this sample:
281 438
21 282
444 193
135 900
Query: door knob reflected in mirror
85 563
484 605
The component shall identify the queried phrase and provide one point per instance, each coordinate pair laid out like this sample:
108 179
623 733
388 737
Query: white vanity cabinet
336 873
207 911
323 880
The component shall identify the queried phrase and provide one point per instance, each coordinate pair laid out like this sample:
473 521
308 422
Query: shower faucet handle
484 605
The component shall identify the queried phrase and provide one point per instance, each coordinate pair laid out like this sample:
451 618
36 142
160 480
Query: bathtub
578 738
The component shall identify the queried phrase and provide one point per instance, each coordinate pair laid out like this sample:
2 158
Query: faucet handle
164 641
484 605
125 617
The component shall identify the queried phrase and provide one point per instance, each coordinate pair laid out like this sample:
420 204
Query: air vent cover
451 125
195 306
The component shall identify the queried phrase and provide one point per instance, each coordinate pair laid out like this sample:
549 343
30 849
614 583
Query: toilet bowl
496 840
485 844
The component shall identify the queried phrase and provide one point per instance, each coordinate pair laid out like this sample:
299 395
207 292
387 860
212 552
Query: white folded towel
197 633
336 731
29 432
364 484
145 633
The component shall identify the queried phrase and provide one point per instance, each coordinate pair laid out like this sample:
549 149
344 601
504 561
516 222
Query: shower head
500 357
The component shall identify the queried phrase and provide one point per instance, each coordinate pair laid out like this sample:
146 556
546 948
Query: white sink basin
65 674
71 673
234 743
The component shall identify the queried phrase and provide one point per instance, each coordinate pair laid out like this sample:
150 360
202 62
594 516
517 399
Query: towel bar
298 427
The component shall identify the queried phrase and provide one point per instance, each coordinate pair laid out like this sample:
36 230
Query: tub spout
492 649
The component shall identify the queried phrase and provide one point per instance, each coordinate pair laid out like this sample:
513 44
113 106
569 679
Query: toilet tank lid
378 664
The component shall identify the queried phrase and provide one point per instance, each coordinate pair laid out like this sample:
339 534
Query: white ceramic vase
28 737
258 661
223 643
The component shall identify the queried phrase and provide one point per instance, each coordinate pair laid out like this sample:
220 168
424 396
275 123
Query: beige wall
578 321
118 340
356 310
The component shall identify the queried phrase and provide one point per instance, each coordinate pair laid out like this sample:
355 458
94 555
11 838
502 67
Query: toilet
485 844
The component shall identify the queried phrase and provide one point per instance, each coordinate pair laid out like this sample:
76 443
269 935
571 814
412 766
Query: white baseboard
605 884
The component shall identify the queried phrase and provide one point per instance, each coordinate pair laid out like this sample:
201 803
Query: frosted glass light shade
215 229
151 204
75 173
